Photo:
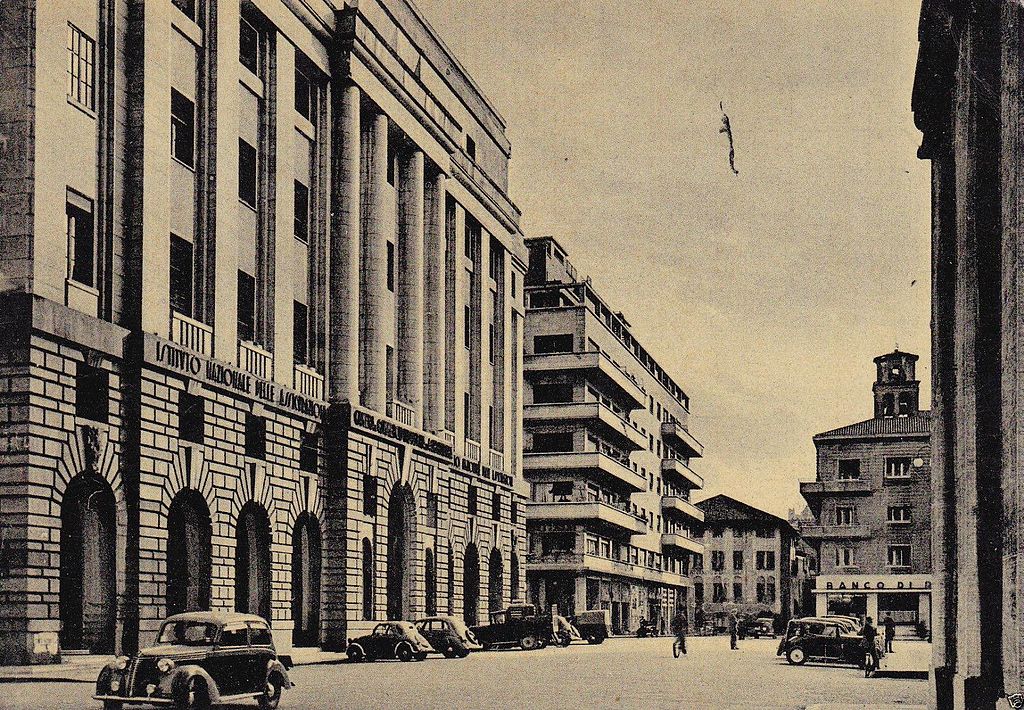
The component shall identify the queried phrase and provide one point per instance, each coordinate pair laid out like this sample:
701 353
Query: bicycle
678 647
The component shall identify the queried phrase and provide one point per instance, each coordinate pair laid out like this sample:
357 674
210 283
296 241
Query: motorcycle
646 629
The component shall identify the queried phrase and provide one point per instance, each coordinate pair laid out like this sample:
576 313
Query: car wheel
449 651
529 643
404 653
356 654
565 641
271 697
796 656
194 696
594 639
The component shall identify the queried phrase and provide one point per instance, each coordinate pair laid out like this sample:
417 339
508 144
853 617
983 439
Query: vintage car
200 659
390 639
757 627
518 625
821 639
447 635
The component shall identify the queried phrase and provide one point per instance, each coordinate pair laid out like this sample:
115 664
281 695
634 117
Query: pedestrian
870 635
679 628
890 632
733 631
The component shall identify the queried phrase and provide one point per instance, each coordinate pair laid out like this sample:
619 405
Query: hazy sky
766 295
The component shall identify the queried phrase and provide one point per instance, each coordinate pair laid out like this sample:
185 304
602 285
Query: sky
765 294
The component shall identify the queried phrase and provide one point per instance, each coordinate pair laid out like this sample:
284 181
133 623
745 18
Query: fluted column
374 268
434 306
410 282
344 251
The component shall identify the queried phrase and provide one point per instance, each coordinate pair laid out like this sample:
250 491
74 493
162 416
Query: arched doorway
495 579
471 585
306 581
188 553
252 561
367 580
513 576
88 547
451 578
431 582
401 534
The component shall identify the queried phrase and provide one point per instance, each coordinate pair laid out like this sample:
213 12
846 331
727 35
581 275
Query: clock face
918 462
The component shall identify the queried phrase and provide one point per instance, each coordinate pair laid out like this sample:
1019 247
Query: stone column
434 306
344 251
410 282
374 268
821 604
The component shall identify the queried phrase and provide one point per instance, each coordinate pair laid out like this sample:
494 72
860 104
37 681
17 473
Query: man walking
733 630
890 632
679 628
870 634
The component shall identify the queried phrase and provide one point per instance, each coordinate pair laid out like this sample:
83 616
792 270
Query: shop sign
386 427
882 583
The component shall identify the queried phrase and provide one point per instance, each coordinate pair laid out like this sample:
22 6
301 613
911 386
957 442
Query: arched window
367 580
495 580
252 561
189 549
904 404
513 576
306 560
451 578
431 582
401 534
471 585
888 405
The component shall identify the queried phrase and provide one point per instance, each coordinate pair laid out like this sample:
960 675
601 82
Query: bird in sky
727 130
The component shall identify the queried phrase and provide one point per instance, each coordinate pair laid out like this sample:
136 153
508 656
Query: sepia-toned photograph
452 354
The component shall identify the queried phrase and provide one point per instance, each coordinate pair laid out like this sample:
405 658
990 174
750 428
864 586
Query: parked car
594 625
821 639
647 628
200 659
390 639
520 625
756 628
447 635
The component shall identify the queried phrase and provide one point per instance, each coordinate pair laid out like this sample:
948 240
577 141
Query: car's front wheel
194 696
529 643
404 653
356 653
271 697
796 656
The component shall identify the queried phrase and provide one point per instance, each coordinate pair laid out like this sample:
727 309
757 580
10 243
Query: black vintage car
518 625
447 635
821 639
200 659
390 639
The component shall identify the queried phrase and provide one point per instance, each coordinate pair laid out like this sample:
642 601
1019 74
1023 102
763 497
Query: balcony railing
191 334
497 461
473 450
309 382
252 358
405 414
448 437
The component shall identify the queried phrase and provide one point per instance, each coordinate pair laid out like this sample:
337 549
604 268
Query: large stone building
608 453
967 102
871 500
749 562
269 357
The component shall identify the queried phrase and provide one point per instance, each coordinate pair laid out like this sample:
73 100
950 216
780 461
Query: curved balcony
835 487
678 435
674 505
681 542
835 532
674 469
599 467
596 367
594 414
601 516
578 562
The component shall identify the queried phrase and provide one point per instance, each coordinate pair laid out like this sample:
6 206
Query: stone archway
252 561
306 559
189 561
471 585
495 580
430 574
88 550
401 535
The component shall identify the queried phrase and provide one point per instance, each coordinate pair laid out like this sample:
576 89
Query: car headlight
115 685
165 665
121 662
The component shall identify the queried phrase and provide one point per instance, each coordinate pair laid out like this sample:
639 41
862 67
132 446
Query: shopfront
904 597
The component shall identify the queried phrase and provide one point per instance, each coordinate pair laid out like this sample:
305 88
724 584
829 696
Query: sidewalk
907 657
85 669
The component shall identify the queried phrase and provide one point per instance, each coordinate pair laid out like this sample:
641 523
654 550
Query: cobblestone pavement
621 673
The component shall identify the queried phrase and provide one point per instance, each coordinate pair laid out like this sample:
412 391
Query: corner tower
897 390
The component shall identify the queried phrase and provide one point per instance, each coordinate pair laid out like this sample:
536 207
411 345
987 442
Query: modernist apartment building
966 98
871 500
607 457
262 297
749 562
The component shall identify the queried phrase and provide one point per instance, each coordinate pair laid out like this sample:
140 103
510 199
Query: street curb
44 679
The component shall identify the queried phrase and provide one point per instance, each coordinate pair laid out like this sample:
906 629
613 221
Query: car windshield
188 633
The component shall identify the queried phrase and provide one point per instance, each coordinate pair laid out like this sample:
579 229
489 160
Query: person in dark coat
870 635
734 625
890 632
680 625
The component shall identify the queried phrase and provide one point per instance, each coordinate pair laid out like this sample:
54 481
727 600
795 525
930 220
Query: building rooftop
725 509
914 425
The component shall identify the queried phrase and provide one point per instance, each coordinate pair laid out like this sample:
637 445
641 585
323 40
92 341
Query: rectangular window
760 591
770 596
304 95
849 469
737 560
370 495
561 343
561 491
769 560
467 328
249 45
899 514
759 560
255 436
490 344
309 447
897 467
718 593
717 532
737 592
514 512
552 392
182 273
246 307
496 506
698 592
471 500
191 417
247 172
465 414
391 267
433 503
899 555
91 393
183 129
845 557
471 148
300 332
717 560
301 203
552 442
81 68
846 515
81 239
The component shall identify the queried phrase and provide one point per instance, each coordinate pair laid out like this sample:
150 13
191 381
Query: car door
232 662
381 642
261 651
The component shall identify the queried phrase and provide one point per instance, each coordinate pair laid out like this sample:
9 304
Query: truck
594 625
518 625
